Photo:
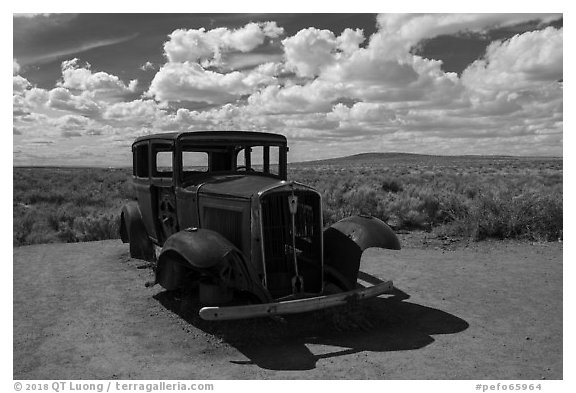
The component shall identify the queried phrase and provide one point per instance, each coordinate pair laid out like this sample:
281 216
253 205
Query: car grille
278 250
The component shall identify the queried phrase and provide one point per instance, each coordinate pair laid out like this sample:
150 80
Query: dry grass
68 204
475 197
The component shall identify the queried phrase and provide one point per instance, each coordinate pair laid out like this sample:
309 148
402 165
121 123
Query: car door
163 200
141 184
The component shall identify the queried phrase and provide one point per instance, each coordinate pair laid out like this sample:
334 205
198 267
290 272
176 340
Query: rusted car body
216 211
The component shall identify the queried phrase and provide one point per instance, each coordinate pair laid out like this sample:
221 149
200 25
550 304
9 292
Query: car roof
217 136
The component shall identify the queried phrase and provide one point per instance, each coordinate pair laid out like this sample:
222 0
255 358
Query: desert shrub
430 208
502 215
41 196
361 200
453 207
68 205
408 212
391 185
23 227
96 227
457 196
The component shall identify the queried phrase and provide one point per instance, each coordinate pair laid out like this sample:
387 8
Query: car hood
240 186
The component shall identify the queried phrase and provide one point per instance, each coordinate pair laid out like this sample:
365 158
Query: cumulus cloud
370 73
133 112
350 40
225 117
190 73
373 91
200 44
312 97
148 66
363 112
385 69
62 99
270 69
16 67
72 125
25 103
19 108
19 84
397 33
82 78
312 49
311 123
36 97
309 50
338 67
191 82
523 61
391 89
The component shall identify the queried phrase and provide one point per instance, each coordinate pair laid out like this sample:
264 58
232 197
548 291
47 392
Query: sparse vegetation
68 204
474 197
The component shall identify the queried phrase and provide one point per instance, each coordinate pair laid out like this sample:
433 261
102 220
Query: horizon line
319 160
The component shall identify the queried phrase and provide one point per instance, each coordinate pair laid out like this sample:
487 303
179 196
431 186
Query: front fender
346 240
366 232
201 248
206 253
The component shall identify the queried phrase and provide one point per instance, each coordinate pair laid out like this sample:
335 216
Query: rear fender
346 240
128 217
132 231
206 253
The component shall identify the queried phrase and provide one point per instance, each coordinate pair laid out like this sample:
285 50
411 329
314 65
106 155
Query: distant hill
387 158
365 157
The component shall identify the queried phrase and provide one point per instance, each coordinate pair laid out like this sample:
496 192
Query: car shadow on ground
298 342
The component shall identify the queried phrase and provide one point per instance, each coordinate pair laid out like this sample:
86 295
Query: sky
86 85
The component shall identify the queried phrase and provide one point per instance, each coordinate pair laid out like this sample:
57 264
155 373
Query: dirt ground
488 310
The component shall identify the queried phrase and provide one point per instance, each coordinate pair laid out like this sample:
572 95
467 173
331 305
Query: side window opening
274 160
140 164
164 163
243 158
162 160
257 158
194 162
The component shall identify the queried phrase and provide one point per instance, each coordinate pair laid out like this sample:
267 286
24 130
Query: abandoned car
217 213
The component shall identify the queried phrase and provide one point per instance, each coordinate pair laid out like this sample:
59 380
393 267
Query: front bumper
294 306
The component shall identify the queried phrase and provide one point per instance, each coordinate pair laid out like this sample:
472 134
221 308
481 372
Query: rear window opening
140 160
